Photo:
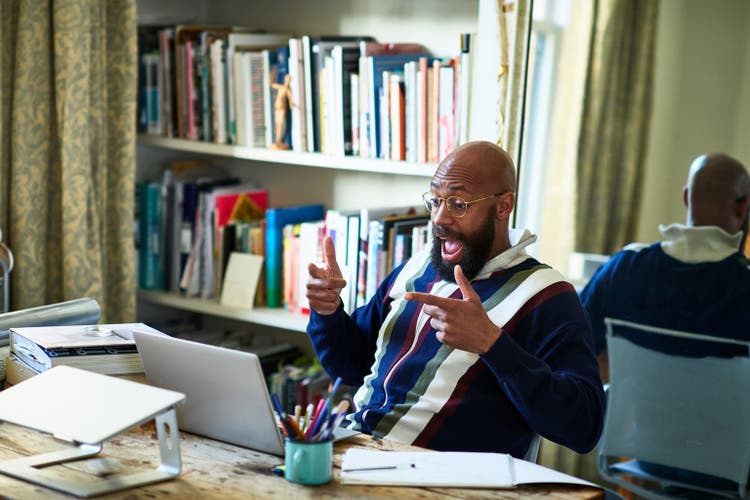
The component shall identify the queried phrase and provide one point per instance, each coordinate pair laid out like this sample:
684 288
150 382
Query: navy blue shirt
695 281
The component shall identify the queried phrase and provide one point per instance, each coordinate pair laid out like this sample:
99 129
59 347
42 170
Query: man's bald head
717 193
482 163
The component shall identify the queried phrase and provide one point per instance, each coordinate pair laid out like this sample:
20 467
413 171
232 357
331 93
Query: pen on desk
336 418
317 423
381 467
308 416
286 428
333 390
294 427
297 414
310 432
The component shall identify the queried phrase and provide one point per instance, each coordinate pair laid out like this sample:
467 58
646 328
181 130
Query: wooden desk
212 469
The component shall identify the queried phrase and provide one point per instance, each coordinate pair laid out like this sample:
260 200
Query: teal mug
308 463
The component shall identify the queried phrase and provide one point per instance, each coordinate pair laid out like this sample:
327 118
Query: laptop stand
85 409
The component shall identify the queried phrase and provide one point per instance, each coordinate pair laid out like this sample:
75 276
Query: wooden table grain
213 469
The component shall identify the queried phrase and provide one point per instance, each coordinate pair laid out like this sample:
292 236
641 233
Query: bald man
696 279
471 345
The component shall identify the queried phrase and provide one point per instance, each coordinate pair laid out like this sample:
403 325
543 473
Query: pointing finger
466 290
329 256
427 299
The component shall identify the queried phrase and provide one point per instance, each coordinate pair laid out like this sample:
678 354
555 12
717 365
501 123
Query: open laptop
227 398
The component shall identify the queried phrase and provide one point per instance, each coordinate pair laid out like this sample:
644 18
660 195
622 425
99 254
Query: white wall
742 130
701 102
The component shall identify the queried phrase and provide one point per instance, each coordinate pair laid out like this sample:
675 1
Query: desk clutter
84 409
107 349
318 422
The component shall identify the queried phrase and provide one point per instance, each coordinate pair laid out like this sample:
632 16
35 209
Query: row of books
369 243
188 223
188 230
340 95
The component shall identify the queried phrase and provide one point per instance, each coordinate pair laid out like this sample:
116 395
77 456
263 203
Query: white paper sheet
531 473
430 468
451 469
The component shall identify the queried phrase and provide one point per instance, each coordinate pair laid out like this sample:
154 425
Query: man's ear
685 196
742 206
505 204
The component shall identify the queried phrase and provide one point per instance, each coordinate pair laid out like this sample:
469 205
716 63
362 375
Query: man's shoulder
540 275
634 253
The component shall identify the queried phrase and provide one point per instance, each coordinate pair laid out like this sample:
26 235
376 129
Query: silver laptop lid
227 398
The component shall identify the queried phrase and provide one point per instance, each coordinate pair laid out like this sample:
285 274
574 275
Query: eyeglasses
456 205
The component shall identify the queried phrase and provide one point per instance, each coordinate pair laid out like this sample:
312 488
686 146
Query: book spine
298 117
446 118
308 71
354 113
150 64
256 104
218 104
150 271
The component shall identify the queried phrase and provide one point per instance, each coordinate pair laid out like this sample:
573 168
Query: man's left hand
459 323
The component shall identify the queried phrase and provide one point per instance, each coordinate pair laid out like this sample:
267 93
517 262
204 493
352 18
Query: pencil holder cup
308 462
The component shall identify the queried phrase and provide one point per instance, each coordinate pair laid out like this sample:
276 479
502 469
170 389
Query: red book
225 202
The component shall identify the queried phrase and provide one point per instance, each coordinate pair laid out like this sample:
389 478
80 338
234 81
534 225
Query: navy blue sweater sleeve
554 380
344 344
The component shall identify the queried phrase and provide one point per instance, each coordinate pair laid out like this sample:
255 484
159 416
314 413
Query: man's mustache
441 232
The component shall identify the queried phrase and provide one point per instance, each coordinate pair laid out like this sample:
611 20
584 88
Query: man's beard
476 249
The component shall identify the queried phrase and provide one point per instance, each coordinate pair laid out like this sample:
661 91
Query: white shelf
292 158
275 317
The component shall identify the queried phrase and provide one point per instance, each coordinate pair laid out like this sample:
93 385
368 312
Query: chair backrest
679 410
532 453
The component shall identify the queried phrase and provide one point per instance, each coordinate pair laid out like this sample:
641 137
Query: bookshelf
340 182
315 160
277 318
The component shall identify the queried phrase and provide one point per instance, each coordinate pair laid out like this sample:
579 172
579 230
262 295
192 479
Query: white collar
515 254
693 244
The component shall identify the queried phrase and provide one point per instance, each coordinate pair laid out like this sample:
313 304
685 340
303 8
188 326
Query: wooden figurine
281 106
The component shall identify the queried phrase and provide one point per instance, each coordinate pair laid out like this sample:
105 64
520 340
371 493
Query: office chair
532 453
680 410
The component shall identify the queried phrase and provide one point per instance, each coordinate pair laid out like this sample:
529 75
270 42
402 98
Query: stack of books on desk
108 349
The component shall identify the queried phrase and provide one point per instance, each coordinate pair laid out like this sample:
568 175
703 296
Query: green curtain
615 123
67 151
513 25
611 151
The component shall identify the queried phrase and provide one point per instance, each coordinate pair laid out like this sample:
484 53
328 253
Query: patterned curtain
615 123
514 23
67 151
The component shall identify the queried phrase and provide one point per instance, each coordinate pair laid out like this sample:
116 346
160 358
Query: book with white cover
107 348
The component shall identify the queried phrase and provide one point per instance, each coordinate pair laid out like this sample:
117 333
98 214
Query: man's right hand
325 283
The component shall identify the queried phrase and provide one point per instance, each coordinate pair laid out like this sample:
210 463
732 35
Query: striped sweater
541 375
